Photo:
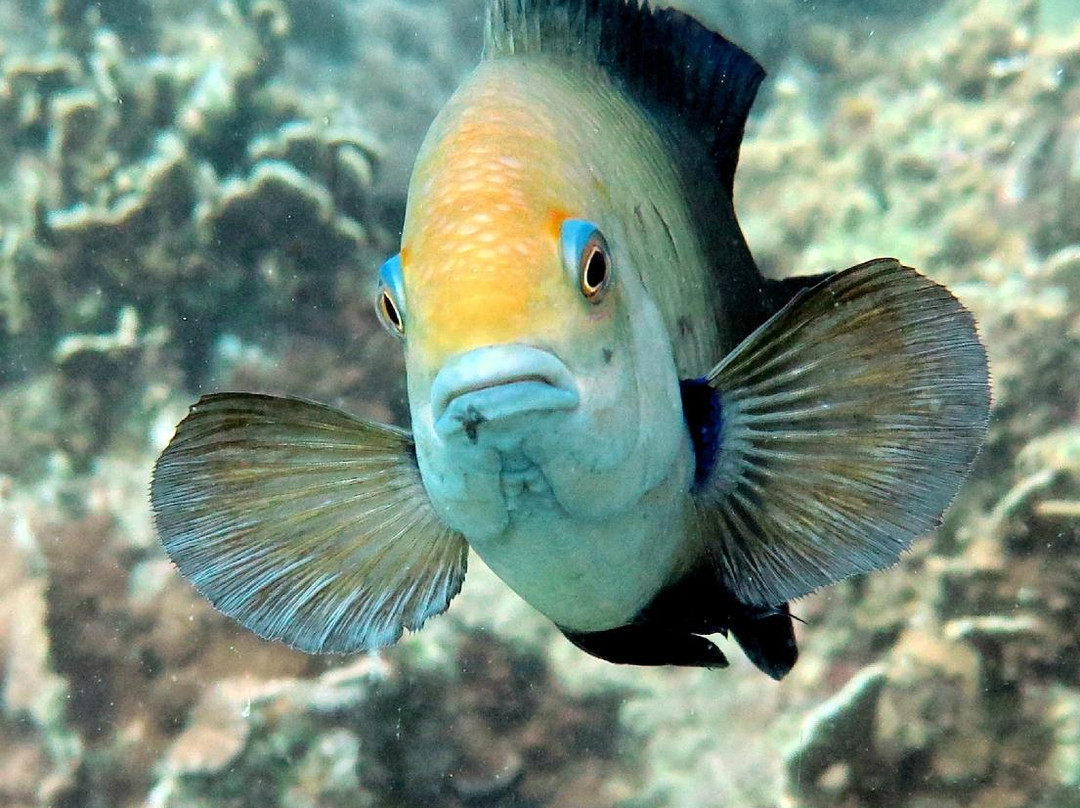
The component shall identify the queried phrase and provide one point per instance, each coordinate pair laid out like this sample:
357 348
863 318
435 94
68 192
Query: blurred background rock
196 196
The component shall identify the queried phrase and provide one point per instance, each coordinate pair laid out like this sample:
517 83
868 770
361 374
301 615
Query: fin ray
303 523
850 418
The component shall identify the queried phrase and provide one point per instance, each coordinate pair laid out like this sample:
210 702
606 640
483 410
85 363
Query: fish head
533 351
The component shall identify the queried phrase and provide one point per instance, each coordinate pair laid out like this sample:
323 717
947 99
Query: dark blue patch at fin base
705 419
697 81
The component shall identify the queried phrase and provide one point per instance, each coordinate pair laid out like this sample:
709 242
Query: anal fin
671 629
767 637
645 644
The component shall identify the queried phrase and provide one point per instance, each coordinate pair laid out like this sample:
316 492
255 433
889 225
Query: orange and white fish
645 439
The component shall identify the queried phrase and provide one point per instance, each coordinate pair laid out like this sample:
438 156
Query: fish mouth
490 385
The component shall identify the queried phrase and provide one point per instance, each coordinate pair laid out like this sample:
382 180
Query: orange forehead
481 243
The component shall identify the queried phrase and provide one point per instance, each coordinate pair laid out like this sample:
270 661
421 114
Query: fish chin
489 414
499 414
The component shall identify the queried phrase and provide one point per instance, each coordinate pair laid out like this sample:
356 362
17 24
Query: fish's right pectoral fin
848 422
303 523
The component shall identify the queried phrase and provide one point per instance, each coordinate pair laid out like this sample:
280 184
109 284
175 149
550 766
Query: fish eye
389 314
586 252
388 304
594 270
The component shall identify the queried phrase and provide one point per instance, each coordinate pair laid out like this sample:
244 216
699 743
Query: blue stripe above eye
390 278
575 236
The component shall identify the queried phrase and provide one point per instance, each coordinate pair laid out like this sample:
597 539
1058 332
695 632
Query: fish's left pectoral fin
303 523
848 422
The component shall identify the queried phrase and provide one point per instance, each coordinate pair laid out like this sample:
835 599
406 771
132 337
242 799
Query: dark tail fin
669 631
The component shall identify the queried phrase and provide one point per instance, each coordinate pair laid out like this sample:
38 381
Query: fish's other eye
389 314
390 302
586 253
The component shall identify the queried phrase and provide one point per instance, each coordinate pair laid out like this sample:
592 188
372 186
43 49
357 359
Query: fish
655 446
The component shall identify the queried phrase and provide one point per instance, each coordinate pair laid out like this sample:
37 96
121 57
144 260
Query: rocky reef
196 196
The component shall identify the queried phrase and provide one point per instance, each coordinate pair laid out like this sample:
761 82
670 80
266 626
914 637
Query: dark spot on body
686 328
639 216
471 421
608 355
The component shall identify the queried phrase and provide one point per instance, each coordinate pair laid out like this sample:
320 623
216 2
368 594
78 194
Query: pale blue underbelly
587 575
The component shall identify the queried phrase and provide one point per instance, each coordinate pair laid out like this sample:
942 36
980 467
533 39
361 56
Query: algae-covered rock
254 216
177 188
374 733
42 752
834 741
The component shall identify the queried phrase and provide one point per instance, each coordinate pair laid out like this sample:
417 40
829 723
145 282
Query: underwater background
195 196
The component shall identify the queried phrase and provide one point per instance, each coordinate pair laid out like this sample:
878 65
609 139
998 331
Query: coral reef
974 699
123 687
958 669
196 197
369 734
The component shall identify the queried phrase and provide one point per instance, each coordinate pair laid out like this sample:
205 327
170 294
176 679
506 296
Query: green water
197 196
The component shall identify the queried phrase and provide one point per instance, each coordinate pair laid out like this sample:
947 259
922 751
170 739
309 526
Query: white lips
499 381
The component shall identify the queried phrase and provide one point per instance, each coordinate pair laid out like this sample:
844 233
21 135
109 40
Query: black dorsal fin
672 64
